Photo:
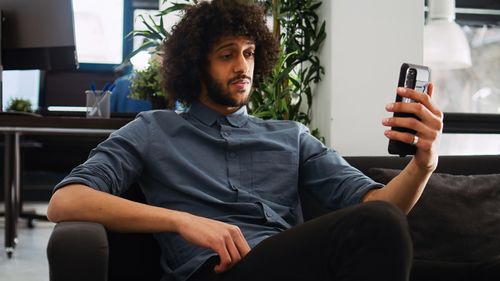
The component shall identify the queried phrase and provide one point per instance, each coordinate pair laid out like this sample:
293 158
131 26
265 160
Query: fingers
232 249
422 143
225 258
430 89
241 243
428 127
225 239
423 108
423 104
423 130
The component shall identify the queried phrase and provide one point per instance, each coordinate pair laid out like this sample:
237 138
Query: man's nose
241 64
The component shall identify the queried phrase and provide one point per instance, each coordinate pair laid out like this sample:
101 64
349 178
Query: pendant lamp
445 44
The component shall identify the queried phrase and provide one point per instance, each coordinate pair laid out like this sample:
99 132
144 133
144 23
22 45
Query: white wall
366 43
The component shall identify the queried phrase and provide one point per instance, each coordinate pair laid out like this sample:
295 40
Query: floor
29 262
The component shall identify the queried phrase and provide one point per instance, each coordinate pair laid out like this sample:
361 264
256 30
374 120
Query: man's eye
250 54
225 56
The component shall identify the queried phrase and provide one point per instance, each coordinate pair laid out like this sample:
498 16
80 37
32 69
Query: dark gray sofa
455 228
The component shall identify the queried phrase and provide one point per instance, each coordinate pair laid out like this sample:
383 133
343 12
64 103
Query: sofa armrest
78 251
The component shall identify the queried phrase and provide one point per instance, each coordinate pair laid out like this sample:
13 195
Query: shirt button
225 134
233 187
269 214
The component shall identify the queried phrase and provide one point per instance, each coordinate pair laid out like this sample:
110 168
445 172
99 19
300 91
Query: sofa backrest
455 219
456 165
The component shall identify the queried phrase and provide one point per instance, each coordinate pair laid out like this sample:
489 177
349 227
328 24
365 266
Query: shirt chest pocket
275 176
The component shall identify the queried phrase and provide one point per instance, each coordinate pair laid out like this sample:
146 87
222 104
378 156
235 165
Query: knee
383 220
383 213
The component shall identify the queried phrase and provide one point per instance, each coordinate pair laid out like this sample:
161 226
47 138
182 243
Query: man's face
229 73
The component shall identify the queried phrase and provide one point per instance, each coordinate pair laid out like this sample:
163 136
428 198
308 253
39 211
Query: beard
215 91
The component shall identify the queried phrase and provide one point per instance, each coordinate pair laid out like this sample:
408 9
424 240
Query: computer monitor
64 91
37 35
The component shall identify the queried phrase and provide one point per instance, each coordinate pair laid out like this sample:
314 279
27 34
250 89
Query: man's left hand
428 128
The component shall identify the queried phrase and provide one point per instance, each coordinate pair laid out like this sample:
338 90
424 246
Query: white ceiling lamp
445 44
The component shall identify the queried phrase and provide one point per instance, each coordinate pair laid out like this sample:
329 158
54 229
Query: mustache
240 77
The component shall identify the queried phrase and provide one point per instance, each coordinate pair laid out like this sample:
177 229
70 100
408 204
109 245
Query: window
141 60
470 97
99 30
151 16
475 89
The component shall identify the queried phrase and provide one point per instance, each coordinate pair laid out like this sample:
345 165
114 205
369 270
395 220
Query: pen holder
98 104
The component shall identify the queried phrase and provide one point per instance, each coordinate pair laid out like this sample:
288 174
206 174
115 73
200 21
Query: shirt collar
209 116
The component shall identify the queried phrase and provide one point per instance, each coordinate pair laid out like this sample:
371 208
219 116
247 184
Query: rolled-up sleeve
328 177
116 162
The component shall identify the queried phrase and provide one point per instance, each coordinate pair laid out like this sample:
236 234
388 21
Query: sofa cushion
457 219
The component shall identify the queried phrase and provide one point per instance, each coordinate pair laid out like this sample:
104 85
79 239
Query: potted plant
297 25
19 105
145 85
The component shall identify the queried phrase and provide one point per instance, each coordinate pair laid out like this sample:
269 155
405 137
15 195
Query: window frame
471 123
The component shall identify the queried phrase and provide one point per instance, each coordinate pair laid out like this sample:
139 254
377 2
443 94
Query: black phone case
421 76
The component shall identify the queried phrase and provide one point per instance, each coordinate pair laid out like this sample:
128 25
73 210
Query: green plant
19 104
155 32
283 93
145 83
297 25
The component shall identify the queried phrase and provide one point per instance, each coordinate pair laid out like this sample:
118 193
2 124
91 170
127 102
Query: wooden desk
13 127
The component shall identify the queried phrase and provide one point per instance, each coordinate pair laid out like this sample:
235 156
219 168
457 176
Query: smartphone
414 77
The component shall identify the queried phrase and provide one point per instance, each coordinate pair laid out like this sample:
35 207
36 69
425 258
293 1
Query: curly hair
186 50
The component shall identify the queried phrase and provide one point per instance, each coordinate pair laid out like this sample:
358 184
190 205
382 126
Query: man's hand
405 189
225 239
428 128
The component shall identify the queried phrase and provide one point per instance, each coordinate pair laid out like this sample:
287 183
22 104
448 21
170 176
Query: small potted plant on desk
146 85
19 105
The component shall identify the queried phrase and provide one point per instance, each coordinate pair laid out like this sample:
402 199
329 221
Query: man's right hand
225 239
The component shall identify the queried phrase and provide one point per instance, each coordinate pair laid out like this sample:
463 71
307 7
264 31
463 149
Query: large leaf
176 7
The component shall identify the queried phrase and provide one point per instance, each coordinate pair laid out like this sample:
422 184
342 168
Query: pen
92 87
105 88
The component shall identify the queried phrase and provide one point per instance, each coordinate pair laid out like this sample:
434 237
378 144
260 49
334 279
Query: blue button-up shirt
236 169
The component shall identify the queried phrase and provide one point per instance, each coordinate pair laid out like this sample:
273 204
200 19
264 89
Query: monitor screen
37 34
63 89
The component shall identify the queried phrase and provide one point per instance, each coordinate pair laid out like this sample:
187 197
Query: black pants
368 241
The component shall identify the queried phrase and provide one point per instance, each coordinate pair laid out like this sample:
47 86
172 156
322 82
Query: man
222 186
